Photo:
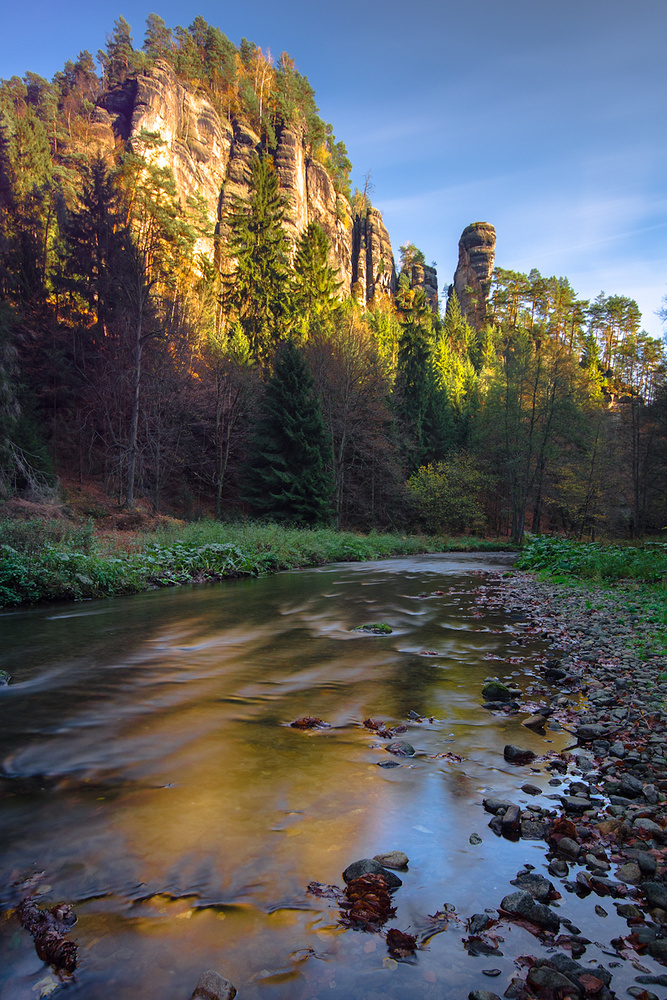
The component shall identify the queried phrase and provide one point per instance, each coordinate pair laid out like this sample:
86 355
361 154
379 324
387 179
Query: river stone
655 893
518 755
587 733
522 904
542 977
658 949
570 848
369 866
538 886
630 873
392 859
510 825
631 787
212 986
534 722
4 678
401 748
653 830
647 863
531 789
495 691
496 805
483 995
558 868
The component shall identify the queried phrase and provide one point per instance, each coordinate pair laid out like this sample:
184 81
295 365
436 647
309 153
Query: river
153 776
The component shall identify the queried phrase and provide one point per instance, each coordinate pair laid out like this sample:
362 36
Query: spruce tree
256 291
287 476
315 282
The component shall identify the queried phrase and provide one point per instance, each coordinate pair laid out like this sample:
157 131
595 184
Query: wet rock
401 748
497 805
575 804
544 977
369 866
518 755
535 829
522 904
534 722
531 789
629 911
388 763
538 886
510 825
655 894
474 839
392 859
570 848
213 986
558 868
4 678
478 923
482 995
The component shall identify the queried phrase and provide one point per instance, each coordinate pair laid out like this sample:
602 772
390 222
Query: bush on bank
595 561
46 561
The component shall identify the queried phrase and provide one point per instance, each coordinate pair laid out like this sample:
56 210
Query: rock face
426 277
373 268
472 280
210 156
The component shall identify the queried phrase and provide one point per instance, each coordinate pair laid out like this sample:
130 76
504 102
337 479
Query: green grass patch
42 561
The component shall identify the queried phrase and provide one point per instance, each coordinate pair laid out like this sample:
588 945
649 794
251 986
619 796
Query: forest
248 384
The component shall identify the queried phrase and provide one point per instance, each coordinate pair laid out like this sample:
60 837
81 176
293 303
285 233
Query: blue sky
543 117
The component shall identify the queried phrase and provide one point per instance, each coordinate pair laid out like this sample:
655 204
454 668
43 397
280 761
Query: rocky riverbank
609 835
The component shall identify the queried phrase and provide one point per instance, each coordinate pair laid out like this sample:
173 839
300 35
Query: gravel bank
604 680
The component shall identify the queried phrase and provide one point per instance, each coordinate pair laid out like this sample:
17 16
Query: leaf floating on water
309 722
400 943
383 731
324 891
46 986
48 928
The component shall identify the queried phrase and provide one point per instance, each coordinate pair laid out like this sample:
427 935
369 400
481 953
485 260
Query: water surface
157 783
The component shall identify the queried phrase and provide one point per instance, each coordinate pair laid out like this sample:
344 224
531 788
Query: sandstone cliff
472 280
210 154
373 268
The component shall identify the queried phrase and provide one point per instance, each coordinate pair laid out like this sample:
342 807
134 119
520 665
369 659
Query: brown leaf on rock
367 904
591 983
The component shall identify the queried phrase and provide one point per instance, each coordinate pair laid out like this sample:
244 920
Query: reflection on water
157 782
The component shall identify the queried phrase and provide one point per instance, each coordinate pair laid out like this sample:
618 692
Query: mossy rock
495 691
374 628
4 678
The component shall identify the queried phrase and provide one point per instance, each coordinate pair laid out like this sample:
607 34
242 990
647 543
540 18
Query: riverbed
152 774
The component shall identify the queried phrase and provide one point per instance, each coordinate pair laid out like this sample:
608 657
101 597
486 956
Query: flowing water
153 776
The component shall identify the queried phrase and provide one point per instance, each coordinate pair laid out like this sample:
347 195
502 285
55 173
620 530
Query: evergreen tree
315 282
256 291
287 475
420 402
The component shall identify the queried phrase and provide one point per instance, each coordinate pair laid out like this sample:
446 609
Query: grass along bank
631 579
53 561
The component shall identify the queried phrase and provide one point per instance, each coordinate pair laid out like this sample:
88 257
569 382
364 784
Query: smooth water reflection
157 782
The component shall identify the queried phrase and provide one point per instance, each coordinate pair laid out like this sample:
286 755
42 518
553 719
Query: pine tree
256 291
287 475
